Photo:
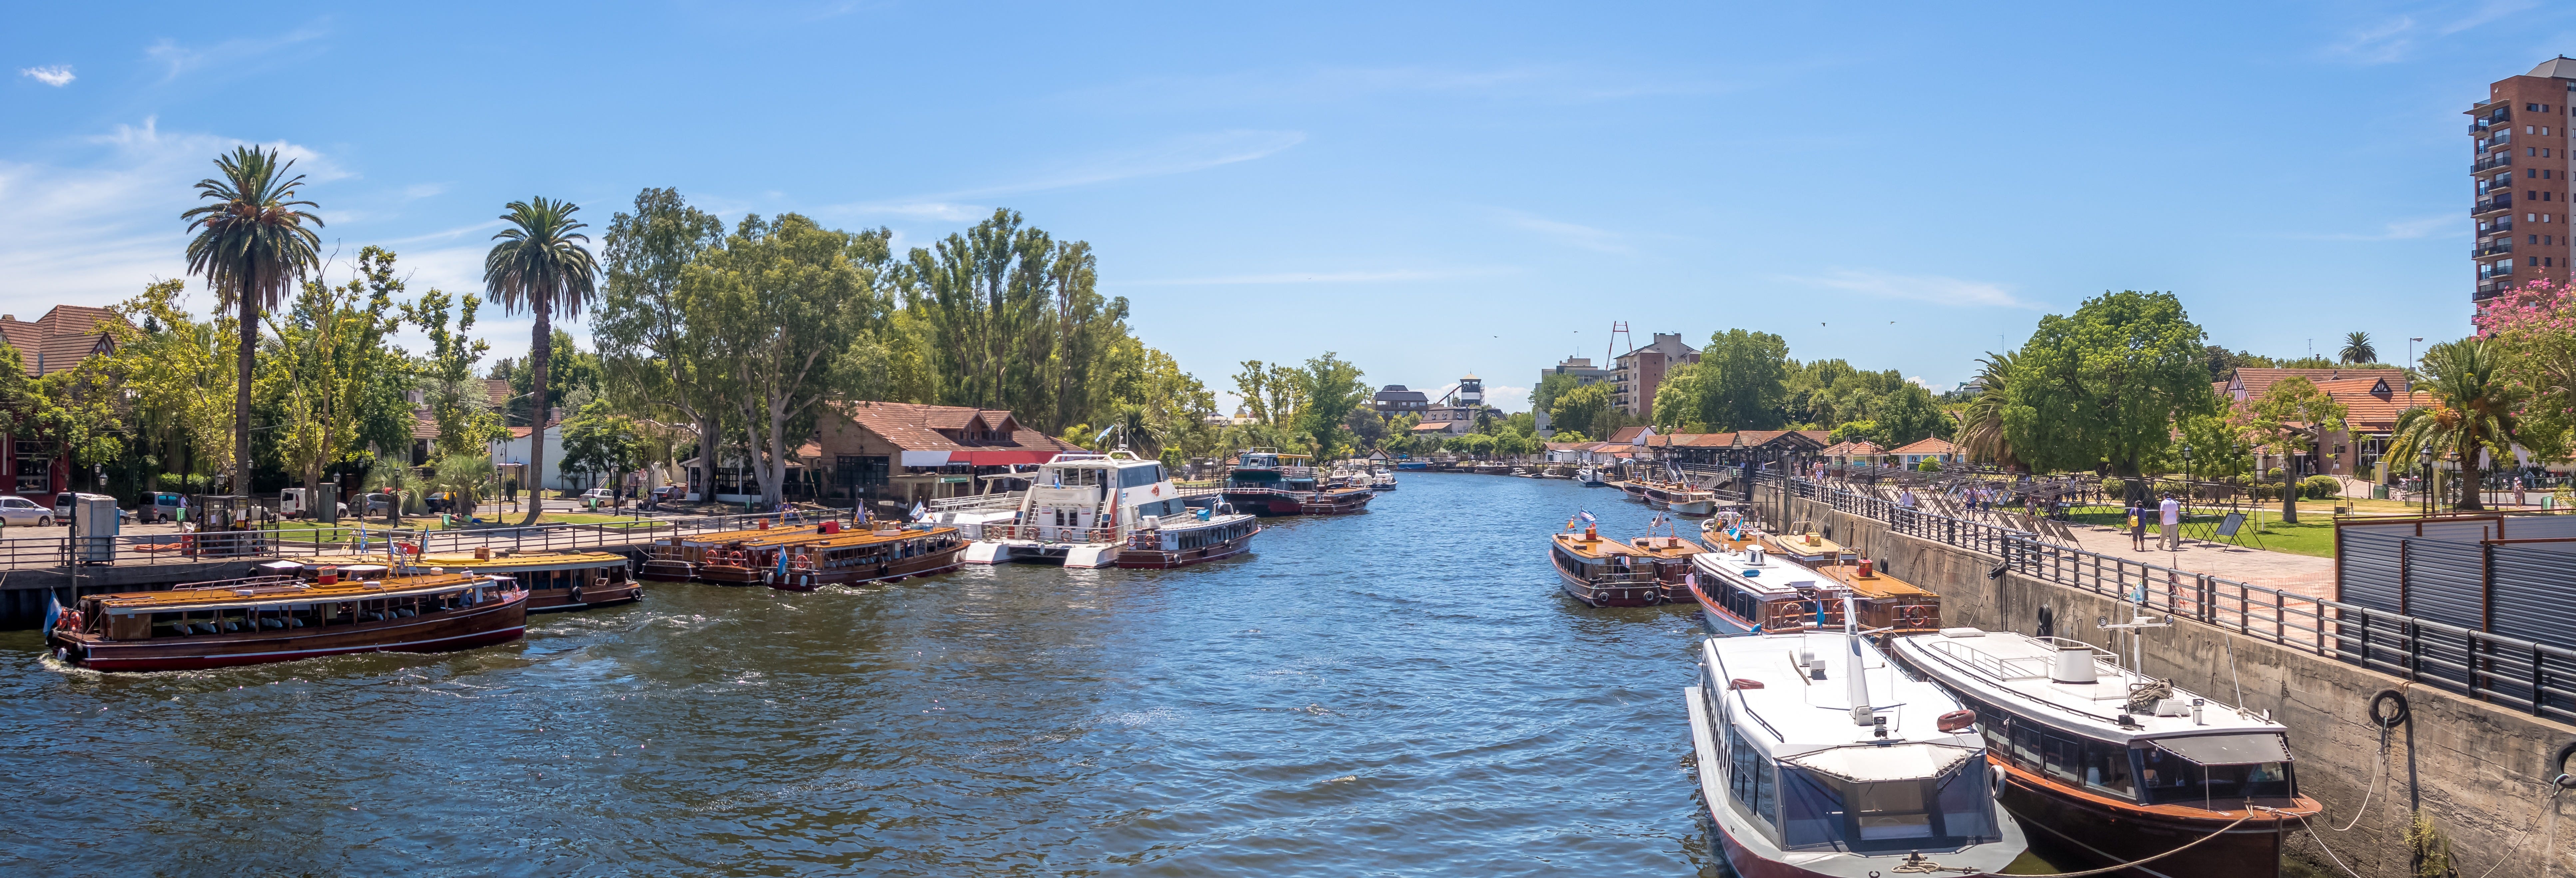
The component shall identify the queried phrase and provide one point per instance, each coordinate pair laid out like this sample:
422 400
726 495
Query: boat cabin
1886 603
1811 549
1749 590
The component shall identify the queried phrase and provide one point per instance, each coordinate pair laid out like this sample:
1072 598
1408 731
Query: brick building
1639 371
56 342
2518 167
909 452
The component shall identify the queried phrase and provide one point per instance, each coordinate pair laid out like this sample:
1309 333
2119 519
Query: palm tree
539 267
1981 423
252 246
1138 432
468 476
2357 349
398 482
2475 409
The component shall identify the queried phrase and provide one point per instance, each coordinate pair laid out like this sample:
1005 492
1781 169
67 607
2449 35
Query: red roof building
56 342
918 452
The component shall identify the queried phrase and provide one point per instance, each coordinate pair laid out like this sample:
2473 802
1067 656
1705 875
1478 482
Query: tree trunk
2289 490
241 398
2472 480
540 353
709 430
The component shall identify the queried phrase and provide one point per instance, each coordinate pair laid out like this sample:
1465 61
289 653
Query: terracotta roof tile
62 338
1927 445
916 427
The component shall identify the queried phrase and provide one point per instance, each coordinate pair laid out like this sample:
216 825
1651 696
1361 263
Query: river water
1403 691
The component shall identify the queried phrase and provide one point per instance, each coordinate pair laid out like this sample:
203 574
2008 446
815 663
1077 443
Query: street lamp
2424 461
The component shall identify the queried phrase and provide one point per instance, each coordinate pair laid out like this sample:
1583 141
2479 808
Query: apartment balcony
2491 205
2493 248
2501 185
2501 225
2489 290
2490 163
2499 270
2501 140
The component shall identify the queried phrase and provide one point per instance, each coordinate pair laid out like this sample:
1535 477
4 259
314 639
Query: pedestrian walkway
2297 574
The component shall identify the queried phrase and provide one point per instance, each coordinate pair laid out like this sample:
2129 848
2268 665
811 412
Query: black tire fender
2393 718
2564 779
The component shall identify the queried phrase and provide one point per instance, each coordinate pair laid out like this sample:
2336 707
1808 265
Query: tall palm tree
2357 349
539 267
1137 431
252 246
1981 422
2475 409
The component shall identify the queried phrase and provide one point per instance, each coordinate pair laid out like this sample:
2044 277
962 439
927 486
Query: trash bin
2379 492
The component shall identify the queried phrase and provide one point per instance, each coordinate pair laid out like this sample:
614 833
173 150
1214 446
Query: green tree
331 357
2357 349
1981 421
1583 409
541 266
1328 389
650 357
2107 384
176 371
252 246
1543 397
600 442
791 309
2476 409
405 487
2290 416
1741 382
470 477
457 401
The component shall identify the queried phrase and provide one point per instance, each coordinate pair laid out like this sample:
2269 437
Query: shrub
2320 487
1928 465
2115 489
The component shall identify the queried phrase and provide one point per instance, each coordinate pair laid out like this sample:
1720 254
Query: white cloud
1920 382
177 59
57 76
2378 43
1919 288
2486 12
1570 234
2440 225
1557 84
1313 277
1507 398
1182 155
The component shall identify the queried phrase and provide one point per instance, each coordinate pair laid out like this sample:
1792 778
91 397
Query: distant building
2518 164
56 342
1458 412
1394 400
1640 371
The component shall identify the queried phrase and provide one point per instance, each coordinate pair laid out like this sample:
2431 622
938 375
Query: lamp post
2424 467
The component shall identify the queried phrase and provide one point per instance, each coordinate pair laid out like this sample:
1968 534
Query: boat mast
1855 684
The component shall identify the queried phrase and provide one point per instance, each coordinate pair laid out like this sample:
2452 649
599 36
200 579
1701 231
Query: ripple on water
1396 692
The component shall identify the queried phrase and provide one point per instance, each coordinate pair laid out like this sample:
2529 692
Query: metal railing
2490 163
2490 205
2536 678
1005 500
2491 249
349 539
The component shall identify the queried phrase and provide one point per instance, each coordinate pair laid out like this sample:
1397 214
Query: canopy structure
1872 763
2251 749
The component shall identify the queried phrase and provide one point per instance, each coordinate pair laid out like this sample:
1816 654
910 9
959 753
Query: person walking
2517 490
2137 525
2169 515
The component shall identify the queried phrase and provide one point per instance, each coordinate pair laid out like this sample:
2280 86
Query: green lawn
2313 535
347 529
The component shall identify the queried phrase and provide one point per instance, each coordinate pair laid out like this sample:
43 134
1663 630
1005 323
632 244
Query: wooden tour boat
1681 498
1817 758
282 618
1202 536
555 581
1642 572
1889 606
675 558
749 561
2105 766
1083 509
1265 481
1810 548
884 555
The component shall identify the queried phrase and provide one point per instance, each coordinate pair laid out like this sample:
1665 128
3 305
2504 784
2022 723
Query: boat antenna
1859 687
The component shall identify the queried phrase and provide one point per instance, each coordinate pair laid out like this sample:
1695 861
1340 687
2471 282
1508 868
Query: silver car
20 510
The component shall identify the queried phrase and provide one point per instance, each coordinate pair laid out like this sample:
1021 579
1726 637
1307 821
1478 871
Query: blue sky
1427 190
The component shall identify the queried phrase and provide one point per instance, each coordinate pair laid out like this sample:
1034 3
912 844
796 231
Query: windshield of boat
1819 810
2169 778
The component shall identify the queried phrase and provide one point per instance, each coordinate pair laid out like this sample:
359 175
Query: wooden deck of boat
1809 543
1876 586
847 539
345 590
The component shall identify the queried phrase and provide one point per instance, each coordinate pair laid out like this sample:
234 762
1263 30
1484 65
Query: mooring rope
1918 865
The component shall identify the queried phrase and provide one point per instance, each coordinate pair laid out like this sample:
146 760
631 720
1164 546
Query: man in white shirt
1906 498
2169 514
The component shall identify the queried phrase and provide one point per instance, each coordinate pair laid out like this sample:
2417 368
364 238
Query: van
160 506
292 504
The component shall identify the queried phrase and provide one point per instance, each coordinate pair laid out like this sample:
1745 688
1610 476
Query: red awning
1001 457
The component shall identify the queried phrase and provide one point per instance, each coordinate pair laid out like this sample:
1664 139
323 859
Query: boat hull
1157 559
667 570
1694 507
2078 834
727 574
583 598
1715 618
919 565
499 621
1644 594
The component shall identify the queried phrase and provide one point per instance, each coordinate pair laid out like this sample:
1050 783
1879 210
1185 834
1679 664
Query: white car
20 510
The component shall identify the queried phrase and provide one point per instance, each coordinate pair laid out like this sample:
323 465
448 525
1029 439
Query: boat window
2106 768
1750 780
2026 745
2065 756
2169 778
1821 810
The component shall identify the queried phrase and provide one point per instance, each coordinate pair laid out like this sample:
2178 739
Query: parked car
598 497
292 504
63 506
20 510
377 504
668 493
160 506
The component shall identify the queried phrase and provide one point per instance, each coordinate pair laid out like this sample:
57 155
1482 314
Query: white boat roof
1773 577
1796 717
2013 671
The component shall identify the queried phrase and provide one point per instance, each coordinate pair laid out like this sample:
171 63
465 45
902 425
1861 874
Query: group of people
2168 516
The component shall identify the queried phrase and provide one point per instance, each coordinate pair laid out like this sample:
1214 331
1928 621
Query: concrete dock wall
2481 773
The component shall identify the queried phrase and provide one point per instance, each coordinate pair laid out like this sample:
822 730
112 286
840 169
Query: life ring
2393 718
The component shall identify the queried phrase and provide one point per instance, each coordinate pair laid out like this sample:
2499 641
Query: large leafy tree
1581 409
2534 329
329 364
2476 409
175 371
651 357
252 245
1741 382
1330 388
457 401
541 266
2105 385
2289 417
791 309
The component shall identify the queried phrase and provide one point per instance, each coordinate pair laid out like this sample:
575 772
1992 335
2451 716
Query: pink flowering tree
2536 326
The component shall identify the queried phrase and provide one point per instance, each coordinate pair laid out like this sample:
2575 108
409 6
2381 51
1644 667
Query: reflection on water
1400 691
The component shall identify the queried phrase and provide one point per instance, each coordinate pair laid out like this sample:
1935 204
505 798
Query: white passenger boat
1816 757
2104 765
1082 508
1743 589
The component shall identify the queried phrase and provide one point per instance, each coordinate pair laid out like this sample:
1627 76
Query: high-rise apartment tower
2520 166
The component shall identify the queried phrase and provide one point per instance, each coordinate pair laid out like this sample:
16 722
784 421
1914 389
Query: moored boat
1265 481
1197 538
1681 498
1741 588
749 561
554 581
1641 572
283 618
1817 758
1888 605
676 558
852 557
1384 481
1080 509
2106 766
1810 548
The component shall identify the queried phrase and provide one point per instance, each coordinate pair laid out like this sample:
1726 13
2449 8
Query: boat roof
849 538
1793 715
1605 547
1806 545
2012 670
1096 459
275 591
1876 585
1773 577
718 538
498 563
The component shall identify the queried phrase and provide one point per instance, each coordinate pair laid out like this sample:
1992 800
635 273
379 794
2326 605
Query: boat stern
988 552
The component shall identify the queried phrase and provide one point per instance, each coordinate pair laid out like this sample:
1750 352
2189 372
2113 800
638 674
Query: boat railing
1633 577
1051 533
976 502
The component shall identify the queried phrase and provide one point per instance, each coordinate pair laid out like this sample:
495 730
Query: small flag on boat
53 610
919 511
1586 517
